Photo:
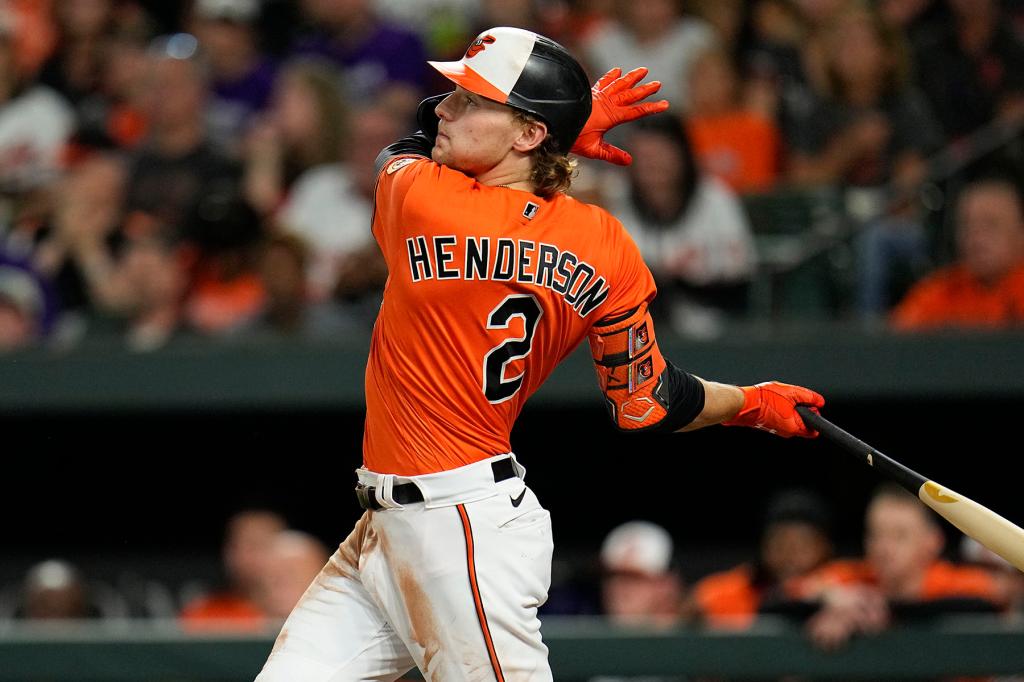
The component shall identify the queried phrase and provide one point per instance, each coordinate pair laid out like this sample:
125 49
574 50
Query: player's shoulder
409 168
588 216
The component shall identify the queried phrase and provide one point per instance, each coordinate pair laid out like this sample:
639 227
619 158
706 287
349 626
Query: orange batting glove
614 102
771 406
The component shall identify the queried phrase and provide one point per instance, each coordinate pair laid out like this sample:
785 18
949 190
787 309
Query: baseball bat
977 521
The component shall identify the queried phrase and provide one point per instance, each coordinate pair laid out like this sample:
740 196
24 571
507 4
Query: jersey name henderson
502 259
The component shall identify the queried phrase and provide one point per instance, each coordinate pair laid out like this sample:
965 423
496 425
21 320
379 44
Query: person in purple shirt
242 78
379 60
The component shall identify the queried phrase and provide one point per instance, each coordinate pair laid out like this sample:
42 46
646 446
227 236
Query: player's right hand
614 101
771 406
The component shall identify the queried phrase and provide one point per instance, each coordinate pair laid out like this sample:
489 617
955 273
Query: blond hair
553 170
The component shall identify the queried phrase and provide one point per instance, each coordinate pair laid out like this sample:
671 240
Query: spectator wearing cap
641 584
794 542
241 77
55 590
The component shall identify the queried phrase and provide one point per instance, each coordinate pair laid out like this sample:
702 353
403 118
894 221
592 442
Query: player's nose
443 109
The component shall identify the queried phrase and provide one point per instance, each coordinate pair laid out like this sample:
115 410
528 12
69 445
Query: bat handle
909 479
833 432
822 425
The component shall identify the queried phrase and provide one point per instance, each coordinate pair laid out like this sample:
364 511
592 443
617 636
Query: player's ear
531 135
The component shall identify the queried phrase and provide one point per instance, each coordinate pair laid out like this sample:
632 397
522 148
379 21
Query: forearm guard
642 390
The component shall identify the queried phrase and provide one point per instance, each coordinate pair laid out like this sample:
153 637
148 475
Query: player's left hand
615 100
771 406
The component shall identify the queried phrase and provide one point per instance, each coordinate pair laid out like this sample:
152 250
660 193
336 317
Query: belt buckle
364 493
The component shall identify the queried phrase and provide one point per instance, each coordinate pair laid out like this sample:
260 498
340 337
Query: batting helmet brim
462 75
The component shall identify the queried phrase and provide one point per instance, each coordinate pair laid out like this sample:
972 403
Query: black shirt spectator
973 71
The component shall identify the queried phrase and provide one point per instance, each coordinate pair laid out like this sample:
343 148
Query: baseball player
495 276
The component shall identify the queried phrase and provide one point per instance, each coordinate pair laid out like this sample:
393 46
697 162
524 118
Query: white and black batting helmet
523 70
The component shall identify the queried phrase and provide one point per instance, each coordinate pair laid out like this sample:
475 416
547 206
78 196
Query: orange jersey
741 148
489 288
953 297
222 612
941 580
728 598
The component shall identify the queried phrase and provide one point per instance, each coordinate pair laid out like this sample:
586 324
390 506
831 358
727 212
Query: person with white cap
641 584
495 276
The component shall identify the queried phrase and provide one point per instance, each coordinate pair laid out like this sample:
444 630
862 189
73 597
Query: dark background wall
164 483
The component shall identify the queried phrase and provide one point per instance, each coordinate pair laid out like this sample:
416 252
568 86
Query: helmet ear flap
425 116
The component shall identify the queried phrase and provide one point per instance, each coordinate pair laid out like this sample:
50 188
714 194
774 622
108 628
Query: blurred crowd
266 566
906 572
204 168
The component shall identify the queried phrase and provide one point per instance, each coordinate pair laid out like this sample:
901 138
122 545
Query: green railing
839 361
579 649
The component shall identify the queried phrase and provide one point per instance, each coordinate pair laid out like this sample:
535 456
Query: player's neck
513 173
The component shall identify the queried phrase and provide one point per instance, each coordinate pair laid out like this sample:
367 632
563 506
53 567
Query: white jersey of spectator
710 243
34 126
331 217
668 58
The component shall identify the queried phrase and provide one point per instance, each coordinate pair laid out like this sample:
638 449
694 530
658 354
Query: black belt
408 493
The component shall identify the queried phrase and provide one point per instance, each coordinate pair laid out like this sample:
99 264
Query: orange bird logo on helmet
478 46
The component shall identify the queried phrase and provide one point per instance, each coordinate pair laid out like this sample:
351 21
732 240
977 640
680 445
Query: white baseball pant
450 585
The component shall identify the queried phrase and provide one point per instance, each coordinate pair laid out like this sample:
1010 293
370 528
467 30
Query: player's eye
470 100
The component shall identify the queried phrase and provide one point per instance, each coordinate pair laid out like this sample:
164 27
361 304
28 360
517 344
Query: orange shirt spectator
740 147
222 611
735 143
729 598
248 542
794 542
900 577
220 302
955 297
985 287
940 580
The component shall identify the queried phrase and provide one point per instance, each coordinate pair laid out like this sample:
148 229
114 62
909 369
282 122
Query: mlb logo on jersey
530 210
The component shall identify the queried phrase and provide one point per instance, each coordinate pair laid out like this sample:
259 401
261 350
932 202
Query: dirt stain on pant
422 624
345 562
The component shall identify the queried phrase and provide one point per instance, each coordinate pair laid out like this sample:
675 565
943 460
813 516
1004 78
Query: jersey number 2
497 387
